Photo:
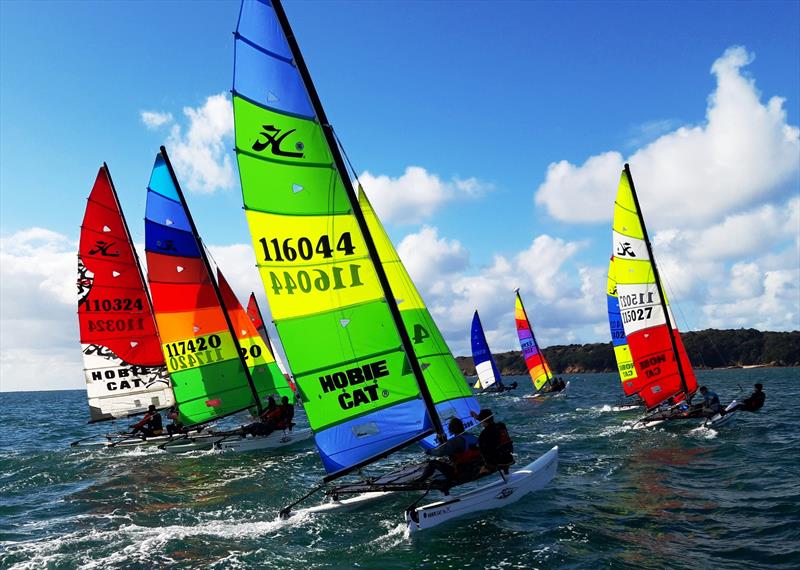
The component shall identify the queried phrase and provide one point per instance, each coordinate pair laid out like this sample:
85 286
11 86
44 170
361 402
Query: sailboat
489 378
541 376
622 353
123 365
663 374
218 362
254 312
372 370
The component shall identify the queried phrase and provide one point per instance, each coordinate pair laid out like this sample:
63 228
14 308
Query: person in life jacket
267 420
710 406
150 425
495 444
176 426
286 415
461 450
753 402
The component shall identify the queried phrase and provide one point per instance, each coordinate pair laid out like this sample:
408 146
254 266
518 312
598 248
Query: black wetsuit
495 446
752 403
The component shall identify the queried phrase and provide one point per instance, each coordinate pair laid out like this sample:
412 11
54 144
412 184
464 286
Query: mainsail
449 390
122 360
652 337
622 352
352 359
208 363
485 366
534 357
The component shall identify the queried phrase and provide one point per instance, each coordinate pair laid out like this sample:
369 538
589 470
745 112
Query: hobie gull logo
507 492
624 249
102 247
274 139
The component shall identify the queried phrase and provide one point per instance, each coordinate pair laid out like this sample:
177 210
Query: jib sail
485 366
449 390
122 360
203 356
622 352
647 320
254 312
357 375
534 357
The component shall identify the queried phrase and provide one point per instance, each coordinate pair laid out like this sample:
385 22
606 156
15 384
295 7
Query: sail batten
662 368
123 365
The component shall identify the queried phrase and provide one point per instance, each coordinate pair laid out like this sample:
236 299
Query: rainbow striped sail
359 379
534 357
622 352
485 366
449 389
122 361
203 356
652 337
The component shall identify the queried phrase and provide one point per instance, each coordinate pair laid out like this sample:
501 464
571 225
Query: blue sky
484 96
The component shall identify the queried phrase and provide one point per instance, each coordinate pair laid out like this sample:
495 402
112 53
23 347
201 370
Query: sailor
753 402
267 420
286 416
494 443
150 425
464 457
557 385
710 406
176 426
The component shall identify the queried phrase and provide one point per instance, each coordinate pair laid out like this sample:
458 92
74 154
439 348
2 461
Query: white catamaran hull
239 443
115 440
721 419
551 394
348 504
492 496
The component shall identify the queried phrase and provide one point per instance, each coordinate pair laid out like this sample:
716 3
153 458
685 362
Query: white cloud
429 256
200 152
743 154
416 194
153 119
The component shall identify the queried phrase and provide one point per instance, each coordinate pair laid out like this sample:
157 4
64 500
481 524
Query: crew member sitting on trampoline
464 458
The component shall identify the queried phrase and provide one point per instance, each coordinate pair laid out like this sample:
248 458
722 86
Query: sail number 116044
305 249
332 277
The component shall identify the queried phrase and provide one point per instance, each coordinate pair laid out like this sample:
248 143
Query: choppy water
683 496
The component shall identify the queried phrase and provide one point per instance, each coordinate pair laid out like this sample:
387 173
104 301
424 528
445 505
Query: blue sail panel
259 24
161 181
169 241
460 408
168 213
615 322
362 438
485 366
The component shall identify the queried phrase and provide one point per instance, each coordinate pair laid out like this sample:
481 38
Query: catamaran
664 378
538 368
218 362
489 378
379 376
123 365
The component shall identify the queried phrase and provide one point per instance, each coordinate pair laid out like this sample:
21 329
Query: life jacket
470 454
505 444
284 421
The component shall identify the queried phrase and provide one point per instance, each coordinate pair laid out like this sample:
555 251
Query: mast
213 279
545 365
299 62
658 280
130 239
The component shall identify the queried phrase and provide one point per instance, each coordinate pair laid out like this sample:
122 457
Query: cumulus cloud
153 119
417 194
744 152
199 152
427 256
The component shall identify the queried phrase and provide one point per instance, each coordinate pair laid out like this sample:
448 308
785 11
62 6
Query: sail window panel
161 181
181 297
259 24
169 241
345 444
273 136
166 212
338 393
279 188
269 81
211 391
343 335
172 269
179 326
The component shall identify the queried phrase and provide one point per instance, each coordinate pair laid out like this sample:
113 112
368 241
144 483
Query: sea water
681 496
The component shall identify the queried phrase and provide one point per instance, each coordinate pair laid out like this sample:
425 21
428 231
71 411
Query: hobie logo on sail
273 139
624 249
356 376
102 247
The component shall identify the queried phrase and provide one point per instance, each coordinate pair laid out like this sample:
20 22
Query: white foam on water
704 432
612 430
395 536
